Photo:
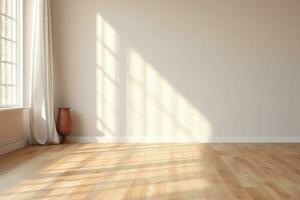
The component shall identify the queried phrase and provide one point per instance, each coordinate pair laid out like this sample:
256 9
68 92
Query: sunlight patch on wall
107 78
156 108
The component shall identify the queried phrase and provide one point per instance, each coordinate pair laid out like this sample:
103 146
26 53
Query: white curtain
42 123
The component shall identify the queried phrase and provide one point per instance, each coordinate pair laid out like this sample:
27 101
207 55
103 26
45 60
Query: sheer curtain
42 124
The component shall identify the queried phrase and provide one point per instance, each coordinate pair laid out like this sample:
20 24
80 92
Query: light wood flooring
152 171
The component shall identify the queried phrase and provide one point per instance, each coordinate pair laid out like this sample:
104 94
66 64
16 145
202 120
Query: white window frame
19 55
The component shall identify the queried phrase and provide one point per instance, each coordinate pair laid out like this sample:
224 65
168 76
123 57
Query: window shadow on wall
156 111
107 89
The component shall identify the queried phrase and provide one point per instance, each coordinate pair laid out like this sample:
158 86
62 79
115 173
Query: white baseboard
12 147
103 139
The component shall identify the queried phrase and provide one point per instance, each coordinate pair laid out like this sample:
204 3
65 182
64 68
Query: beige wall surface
11 126
193 68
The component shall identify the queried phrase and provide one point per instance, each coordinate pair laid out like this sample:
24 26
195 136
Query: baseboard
103 139
12 147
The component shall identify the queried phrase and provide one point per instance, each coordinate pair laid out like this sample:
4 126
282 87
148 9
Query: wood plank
152 171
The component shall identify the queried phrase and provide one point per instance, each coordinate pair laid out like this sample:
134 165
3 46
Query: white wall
197 68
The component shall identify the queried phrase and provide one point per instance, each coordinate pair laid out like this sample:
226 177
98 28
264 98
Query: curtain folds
42 124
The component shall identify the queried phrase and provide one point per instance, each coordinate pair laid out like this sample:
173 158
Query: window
9 59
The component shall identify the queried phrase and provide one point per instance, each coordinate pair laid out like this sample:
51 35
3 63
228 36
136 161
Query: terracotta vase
64 123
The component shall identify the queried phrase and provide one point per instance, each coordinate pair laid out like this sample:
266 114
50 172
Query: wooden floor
152 171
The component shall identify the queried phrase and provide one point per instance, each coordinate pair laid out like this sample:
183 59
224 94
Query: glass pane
6 7
13 51
3 74
7 27
3 49
3 6
3 23
8 51
3 95
8 74
9 95
14 95
14 74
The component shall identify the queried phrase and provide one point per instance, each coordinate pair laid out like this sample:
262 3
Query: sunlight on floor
106 170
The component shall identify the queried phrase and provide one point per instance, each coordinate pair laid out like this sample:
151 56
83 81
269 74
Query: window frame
19 52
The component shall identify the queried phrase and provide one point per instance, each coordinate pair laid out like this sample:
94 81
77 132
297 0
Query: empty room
150 99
